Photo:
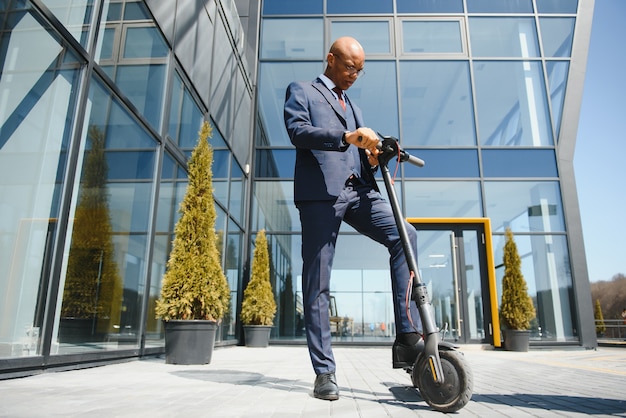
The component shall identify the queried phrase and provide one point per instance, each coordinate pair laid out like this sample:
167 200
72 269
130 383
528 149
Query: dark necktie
340 96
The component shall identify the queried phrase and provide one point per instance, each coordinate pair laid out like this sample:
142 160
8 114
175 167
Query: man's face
345 68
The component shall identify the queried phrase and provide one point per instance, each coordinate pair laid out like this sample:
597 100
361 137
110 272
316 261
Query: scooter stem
419 291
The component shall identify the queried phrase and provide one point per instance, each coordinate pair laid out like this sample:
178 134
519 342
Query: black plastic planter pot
257 335
516 340
189 342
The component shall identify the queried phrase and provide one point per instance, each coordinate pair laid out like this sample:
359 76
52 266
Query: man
336 157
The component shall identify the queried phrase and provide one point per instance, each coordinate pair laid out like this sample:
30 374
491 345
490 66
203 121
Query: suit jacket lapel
321 87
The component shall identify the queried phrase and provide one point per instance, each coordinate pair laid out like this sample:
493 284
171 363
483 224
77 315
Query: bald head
346 46
345 59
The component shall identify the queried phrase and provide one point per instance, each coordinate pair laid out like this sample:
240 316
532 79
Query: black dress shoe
326 387
404 355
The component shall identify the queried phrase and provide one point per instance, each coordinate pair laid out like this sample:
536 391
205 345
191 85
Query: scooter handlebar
413 160
389 145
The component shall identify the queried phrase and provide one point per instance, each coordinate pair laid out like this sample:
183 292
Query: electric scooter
440 372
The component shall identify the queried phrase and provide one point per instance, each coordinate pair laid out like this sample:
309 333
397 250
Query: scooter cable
395 172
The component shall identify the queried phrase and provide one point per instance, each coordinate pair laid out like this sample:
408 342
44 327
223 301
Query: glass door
452 262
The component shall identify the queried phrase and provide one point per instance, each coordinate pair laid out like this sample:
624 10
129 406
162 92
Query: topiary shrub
516 307
258 306
194 284
597 314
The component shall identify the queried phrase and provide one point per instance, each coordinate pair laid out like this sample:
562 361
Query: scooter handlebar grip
416 161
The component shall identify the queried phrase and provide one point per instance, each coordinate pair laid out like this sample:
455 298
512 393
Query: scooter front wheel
456 390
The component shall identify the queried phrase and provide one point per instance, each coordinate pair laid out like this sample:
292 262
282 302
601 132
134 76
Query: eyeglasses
350 68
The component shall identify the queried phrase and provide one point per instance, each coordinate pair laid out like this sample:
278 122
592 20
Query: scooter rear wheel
456 390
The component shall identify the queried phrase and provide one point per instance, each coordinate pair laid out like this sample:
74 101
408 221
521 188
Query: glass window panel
557 6
113 11
168 167
374 36
436 103
232 255
135 11
350 278
217 140
442 199
38 97
351 274
109 70
237 182
185 116
222 74
130 164
220 170
129 206
557 83
499 6
107 44
444 163
525 206
132 269
275 163
519 163
349 266
274 79
292 38
503 37
168 203
75 16
198 52
346 280
144 42
557 35
160 252
377 281
285 7
361 6
511 104
121 131
434 36
105 264
273 208
285 253
376 94
144 86
240 140
176 101
429 6
232 269
546 270
221 159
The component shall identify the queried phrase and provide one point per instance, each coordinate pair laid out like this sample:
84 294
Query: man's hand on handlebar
364 138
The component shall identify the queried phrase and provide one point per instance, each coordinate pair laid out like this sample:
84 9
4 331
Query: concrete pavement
278 381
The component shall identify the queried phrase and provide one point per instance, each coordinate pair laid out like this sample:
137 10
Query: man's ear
330 58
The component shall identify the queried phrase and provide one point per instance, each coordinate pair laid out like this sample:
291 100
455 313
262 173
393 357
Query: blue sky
600 154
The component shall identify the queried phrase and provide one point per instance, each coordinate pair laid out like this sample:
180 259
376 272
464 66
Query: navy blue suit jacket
316 123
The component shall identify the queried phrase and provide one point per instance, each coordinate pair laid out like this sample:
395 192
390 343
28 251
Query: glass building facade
101 102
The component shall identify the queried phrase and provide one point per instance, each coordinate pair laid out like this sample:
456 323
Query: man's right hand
363 138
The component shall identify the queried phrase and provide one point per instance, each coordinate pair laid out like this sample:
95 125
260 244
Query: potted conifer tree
195 295
516 308
258 306
599 317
